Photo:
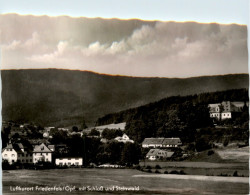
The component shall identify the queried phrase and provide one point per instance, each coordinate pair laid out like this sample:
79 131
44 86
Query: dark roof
18 147
155 152
153 140
9 146
42 148
171 141
165 141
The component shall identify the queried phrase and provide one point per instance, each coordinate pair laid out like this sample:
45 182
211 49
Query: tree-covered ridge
175 116
63 98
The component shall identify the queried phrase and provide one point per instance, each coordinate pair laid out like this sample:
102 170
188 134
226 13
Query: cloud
50 58
139 48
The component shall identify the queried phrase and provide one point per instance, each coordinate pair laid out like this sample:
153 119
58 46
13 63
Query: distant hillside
65 97
181 116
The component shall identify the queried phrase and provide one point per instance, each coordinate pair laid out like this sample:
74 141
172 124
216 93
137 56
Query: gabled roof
213 105
171 141
42 148
153 140
20 145
159 152
9 146
51 147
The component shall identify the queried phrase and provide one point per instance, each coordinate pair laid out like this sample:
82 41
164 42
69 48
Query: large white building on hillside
226 109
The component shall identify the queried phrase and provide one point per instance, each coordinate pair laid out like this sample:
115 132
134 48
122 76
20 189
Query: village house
161 142
171 142
158 154
152 142
124 139
43 153
24 154
9 154
69 161
226 109
17 153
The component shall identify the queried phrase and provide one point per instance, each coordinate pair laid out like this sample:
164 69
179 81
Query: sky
71 36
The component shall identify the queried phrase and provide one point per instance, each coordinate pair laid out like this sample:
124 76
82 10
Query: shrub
226 142
174 172
149 170
165 172
156 171
138 167
182 172
157 166
235 174
210 152
148 167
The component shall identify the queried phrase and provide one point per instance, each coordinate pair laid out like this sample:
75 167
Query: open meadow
129 181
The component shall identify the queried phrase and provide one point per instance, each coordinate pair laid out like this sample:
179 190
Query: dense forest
52 97
177 116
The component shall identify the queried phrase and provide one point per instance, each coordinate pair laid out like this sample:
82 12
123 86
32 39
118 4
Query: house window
10 149
27 160
5 155
13 155
47 160
46 154
69 163
227 114
77 158
30 160
22 160
60 164
77 163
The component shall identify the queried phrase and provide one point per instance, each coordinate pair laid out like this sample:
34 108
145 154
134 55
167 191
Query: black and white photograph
124 97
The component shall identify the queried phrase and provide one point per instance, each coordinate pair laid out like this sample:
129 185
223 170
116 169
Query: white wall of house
69 161
44 156
151 145
10 155
170 146
215 115
223 115
226 115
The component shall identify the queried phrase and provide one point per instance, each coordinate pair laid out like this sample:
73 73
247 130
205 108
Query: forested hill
177 115
65 97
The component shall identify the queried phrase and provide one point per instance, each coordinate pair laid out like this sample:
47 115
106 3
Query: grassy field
235 154
223 162
147 183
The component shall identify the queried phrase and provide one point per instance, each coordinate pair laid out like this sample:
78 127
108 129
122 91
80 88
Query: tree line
176 116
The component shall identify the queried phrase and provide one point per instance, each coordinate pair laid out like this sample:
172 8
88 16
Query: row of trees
94 151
